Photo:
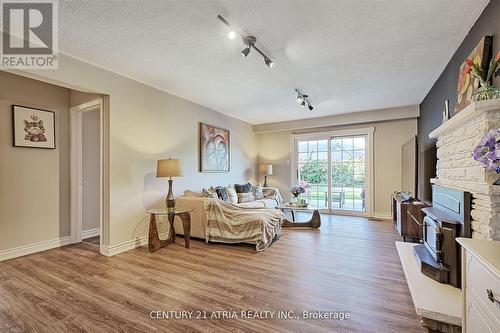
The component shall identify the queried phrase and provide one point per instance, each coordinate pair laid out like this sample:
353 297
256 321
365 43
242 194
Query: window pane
302 146
346 155
336 156
323 145
359 143
359 155
312 146
347 144
303 157
336 144
323 156
359 168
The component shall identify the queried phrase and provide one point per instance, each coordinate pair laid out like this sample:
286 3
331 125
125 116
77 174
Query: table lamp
169 168
266 170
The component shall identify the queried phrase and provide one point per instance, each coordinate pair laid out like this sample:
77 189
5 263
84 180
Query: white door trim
76 114
368 131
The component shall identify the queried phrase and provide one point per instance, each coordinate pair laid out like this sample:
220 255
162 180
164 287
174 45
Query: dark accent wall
445 88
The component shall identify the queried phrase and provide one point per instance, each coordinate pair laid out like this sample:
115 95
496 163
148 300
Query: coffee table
314 222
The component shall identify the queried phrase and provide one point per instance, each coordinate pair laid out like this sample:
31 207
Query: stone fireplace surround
455 168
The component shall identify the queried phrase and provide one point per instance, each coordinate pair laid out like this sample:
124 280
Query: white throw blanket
228 223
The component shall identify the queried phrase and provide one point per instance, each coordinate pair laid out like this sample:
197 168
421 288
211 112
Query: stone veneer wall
457 169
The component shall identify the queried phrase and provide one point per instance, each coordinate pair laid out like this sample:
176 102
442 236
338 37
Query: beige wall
145 125
90 169
274 147
34 183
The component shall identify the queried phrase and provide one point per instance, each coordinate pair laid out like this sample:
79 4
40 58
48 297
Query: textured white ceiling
347 55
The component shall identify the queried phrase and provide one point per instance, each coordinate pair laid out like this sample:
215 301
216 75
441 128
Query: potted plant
487 90
487 152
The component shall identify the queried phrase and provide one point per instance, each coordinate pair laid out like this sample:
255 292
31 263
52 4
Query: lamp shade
168 168
266 169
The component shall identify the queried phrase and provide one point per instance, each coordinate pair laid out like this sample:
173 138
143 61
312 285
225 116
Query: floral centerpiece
488 152
487 90
297 190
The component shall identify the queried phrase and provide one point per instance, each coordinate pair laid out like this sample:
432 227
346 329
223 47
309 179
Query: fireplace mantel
471 112
455 168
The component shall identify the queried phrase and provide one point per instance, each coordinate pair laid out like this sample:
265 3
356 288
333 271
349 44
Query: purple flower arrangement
297 190
487 152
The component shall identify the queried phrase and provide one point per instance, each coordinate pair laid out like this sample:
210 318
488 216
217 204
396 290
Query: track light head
245 52
303 103
310 107
269 62
300 99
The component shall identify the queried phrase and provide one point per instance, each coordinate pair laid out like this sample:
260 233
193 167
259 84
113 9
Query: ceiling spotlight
245 52
302 100
269 62
247 40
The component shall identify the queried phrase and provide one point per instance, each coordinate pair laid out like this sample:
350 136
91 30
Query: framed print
215 149
33 128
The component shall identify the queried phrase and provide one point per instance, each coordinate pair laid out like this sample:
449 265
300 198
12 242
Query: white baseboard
34 248
113 250
382 215
91 233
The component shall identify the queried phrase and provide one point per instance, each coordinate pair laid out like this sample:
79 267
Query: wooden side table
154 241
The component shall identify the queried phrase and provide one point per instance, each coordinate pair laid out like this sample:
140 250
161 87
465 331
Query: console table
154 241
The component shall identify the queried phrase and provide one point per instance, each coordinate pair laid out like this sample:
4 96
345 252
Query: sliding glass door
348 188
335 170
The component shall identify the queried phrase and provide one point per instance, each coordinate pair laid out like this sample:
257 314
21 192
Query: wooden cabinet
480 285
408 217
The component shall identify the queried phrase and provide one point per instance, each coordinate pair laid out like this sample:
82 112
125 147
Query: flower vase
295 200
486 92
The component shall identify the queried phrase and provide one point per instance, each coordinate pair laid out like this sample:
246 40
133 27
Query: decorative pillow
232 197
221 193
245 197
209 193
245 188
257 192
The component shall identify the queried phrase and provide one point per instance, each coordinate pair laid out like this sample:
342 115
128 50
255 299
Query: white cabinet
480 285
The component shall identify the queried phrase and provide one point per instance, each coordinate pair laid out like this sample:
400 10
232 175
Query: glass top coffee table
314 222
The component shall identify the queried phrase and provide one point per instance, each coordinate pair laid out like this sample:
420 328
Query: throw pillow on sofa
258 193
231 195
222 193
209 193
245 188
245 197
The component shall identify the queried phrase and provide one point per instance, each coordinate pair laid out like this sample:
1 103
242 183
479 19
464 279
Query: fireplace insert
447 219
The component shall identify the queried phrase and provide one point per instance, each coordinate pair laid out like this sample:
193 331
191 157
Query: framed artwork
215 151
466 82
33 128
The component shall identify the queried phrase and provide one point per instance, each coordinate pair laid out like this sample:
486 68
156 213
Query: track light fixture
303 100
245 52
249 41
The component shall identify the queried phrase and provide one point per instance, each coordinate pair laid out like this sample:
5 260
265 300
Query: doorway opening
86 173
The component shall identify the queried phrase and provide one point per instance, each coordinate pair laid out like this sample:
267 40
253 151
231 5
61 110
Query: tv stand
408 216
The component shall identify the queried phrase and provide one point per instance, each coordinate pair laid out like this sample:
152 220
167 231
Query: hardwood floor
350 264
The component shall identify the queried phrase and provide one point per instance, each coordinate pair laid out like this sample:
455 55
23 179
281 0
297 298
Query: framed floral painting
215 151
467 83
33 128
